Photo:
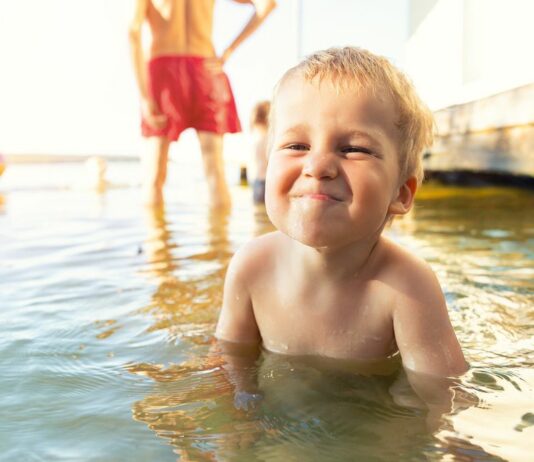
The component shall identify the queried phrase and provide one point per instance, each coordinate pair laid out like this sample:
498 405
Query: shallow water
108 313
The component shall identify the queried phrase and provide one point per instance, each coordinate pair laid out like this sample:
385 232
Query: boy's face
333 174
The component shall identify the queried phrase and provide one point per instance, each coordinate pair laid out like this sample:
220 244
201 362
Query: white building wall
380 26
461 50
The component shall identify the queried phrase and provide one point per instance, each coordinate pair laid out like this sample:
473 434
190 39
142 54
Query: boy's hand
245 401
152 115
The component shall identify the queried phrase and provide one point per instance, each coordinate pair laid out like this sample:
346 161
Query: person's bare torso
301 317
181 27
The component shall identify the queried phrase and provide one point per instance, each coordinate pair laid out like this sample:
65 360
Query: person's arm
262 9
136 49
237 323
148 106
238 361
238 334
431 354
423 331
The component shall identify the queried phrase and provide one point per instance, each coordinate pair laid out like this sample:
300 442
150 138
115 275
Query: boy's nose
321 166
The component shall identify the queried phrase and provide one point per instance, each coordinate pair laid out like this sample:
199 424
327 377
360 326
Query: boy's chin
318 239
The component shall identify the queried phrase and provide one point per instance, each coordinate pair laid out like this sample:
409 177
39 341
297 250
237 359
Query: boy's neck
336 263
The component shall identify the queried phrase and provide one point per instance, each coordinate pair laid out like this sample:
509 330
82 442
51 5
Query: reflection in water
186 306
183 302
158 245
191 406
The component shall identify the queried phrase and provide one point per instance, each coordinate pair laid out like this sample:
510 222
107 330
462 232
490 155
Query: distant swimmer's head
259 117
352 69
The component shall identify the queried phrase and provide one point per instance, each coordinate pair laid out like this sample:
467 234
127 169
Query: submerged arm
239 365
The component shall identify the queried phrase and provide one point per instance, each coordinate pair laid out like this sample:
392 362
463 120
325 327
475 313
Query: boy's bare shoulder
406 272
258 255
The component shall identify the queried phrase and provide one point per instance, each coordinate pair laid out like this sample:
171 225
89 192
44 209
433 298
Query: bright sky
66 82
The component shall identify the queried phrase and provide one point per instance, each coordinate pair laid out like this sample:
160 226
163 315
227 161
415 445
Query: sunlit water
108 313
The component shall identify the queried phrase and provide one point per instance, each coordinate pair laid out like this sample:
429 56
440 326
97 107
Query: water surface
108 312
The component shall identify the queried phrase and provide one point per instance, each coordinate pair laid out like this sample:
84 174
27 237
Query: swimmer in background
95 170
259 126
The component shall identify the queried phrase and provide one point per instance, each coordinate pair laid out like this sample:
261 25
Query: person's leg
211 145
154 170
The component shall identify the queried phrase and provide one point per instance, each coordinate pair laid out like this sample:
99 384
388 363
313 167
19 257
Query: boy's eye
356 149
296 147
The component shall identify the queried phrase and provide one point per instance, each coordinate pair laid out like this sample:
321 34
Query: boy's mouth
318 196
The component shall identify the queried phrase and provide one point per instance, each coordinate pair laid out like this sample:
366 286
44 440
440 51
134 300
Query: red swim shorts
190 96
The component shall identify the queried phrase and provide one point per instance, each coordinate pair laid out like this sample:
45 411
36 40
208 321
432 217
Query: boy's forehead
292 88
296 97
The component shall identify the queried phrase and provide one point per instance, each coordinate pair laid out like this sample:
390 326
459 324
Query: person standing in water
182 84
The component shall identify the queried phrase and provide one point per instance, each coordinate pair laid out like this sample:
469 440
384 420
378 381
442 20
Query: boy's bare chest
353 321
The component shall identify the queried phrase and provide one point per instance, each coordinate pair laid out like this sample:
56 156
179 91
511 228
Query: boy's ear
405 196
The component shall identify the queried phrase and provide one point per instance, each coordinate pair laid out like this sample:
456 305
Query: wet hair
260 114
352 68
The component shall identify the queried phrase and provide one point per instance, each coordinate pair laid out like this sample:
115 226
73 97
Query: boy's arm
238 334
423 331
236 322
239 366
148 106
262 9
431 354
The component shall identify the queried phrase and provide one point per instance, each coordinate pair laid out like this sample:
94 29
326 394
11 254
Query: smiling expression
333 174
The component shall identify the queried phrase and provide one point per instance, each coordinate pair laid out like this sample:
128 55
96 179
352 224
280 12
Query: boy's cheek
269 191
275 176
276 201
273 208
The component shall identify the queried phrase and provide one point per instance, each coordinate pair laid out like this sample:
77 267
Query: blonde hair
350 68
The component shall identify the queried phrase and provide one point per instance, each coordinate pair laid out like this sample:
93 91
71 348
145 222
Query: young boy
259 124
346 137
